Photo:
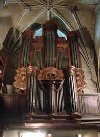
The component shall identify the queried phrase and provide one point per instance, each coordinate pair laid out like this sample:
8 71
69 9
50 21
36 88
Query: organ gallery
46 70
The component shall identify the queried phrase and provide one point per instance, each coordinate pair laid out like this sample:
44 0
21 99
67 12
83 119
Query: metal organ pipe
74 49
50 34
49 45
26 43
53 49
70 99
31 81
61 58
75 60
47 51
32 90
74 10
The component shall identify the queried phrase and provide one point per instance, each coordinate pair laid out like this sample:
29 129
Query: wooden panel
89 104
12 106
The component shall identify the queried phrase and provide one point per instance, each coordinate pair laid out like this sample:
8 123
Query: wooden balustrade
14 106
89 106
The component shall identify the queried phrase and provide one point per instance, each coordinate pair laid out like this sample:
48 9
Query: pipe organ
49 71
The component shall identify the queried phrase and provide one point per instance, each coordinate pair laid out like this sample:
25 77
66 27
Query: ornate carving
80 82
78 74
50 73
72 70
32 69
22 76
20 79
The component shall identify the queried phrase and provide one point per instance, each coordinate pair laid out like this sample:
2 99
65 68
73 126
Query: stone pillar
97 40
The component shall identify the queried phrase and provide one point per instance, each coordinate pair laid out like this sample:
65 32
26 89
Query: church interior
50 68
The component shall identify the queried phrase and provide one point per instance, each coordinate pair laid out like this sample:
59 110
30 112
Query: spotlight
39 134
49 135
33 134
27 134
78 135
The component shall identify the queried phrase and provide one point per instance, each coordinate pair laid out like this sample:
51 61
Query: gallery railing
89 105
12 106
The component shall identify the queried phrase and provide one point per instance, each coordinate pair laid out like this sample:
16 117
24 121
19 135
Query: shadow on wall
1 46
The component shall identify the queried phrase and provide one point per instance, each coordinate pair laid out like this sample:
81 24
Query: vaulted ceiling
23 13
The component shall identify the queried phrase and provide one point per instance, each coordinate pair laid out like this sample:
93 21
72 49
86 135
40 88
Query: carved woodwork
20 79
50 73
80 80
22 76
33 70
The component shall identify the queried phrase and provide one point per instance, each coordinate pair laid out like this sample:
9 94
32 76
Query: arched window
38 32
61 34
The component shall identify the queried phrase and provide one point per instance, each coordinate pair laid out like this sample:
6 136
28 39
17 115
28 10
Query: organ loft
46 70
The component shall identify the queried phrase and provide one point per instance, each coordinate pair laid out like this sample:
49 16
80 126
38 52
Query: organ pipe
50 67
26 44
74 10
50 34
74 49
70 93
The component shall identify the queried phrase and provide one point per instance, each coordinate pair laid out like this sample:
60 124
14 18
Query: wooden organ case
49 73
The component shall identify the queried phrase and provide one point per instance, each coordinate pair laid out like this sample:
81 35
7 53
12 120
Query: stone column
97 40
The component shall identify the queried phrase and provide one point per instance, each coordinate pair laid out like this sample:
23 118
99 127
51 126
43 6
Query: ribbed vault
23 13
